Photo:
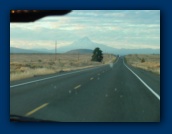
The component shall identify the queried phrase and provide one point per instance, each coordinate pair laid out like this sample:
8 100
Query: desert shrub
28 65
51 63
142 60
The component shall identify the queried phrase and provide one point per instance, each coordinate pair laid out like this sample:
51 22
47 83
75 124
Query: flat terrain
107 93
31 65
147 62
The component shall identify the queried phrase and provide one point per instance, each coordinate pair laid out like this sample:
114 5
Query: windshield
86 66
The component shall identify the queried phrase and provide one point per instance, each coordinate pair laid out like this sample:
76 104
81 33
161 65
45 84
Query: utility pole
78 56
55 49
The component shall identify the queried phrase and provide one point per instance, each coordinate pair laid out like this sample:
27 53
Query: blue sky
116 28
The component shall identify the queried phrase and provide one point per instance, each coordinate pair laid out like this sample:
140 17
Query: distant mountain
20 50
43 50
137 51
85 43
80 51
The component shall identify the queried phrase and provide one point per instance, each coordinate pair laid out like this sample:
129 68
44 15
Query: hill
80 51
137 51
20 50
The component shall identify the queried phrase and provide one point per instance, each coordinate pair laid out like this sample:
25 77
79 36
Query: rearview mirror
33 15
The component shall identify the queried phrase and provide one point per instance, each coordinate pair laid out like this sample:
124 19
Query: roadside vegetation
147 62
32 65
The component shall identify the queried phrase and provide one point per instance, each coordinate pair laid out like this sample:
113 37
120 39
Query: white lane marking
92 78
77 87
36 109
21 84
150 89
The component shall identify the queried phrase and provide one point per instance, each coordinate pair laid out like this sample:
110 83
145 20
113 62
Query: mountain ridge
80 51
86 43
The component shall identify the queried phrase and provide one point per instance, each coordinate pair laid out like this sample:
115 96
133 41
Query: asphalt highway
110 93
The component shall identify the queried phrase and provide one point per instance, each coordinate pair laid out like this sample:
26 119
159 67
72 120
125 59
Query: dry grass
30 65
152 62
30 73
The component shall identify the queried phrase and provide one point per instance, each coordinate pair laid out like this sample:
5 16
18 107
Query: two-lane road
110 93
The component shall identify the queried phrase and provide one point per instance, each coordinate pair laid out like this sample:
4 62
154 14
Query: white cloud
134 27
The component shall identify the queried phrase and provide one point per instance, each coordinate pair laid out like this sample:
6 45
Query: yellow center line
92 78
77 87
36 109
